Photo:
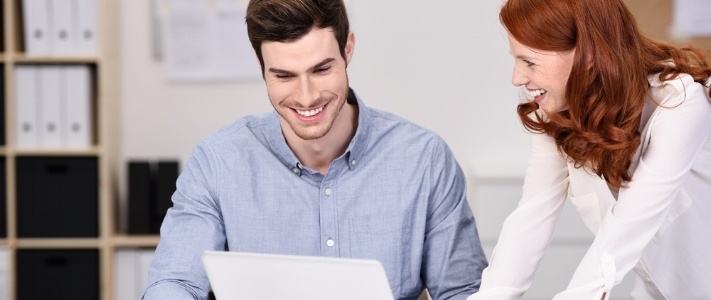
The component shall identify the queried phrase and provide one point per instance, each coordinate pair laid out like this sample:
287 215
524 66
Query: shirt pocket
588 208
384 237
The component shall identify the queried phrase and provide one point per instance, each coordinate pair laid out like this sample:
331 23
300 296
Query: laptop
241 275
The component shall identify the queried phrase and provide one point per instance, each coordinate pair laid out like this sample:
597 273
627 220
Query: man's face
307 82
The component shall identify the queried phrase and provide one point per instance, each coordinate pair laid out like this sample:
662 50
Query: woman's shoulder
676 90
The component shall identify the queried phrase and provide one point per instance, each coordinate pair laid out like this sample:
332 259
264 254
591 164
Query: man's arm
191 226
453 256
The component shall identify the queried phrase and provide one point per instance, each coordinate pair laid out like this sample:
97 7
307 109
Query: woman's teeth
535 93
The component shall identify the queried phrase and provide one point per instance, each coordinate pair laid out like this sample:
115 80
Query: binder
3 105
144 259
3 203
50 106
61 27
166 175
76 129
139 197
26 106
36 27
125 270
132 272
86 26
4 273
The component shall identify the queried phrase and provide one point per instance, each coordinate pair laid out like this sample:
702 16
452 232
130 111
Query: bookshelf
29 242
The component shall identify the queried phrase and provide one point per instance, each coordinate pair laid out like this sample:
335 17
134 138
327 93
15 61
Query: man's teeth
535 93
309 113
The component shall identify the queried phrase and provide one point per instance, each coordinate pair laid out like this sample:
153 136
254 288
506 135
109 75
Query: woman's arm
528 230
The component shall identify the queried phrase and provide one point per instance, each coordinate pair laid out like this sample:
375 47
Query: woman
622 127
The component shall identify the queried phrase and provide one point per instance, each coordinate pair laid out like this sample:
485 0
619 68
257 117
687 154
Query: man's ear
350 46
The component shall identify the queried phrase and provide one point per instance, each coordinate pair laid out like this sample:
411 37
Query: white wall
442 64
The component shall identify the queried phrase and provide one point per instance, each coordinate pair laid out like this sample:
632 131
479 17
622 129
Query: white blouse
659 225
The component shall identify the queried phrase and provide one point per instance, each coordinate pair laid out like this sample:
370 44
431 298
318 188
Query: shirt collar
360 141
352 154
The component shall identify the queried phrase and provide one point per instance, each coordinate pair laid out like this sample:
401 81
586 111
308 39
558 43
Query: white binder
4 274
125 273
61 27
86 26
36 27
76 128
50 107
131 275
26 106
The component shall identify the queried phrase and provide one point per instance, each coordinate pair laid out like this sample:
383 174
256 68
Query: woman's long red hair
608 81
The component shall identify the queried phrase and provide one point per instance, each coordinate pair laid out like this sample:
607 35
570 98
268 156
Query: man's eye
321 70
283 76
528 63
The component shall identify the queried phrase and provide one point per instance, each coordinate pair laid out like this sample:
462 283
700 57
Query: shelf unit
105 73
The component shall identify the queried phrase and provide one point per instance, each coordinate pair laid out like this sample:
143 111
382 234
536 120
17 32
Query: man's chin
310 136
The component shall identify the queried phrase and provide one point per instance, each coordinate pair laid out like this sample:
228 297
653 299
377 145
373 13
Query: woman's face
543 74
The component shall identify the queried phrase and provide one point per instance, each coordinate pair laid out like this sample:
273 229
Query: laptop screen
241 275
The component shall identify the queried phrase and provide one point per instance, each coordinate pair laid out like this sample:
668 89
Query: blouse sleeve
528 230
678 131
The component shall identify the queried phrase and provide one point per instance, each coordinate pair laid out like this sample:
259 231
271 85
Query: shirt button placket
329 222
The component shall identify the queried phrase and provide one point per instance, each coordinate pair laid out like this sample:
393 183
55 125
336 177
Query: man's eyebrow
315 67
322 63
280 71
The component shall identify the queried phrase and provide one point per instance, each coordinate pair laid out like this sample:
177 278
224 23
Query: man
324 175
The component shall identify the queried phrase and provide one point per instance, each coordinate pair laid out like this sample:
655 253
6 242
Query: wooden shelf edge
58 243
127 241
24 58
91 151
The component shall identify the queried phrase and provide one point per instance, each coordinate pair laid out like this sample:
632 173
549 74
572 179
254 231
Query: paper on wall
691 18
205 40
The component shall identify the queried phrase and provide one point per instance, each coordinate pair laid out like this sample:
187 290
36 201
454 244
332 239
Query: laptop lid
241 275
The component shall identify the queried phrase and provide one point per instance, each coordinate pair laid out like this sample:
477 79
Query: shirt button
353 162
608 260
649 280
330 243
328 192
295 170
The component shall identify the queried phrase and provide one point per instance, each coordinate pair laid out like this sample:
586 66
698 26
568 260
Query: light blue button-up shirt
396 195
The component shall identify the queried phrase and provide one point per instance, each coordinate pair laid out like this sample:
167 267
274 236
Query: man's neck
319 153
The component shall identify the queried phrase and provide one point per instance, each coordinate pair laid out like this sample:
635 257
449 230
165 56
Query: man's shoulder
388 123
241 131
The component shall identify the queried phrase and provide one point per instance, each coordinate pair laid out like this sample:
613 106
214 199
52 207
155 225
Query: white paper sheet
205 40
692 18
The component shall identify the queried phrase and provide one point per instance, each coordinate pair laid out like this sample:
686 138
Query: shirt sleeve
190 227
528 230
678 132
453 258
